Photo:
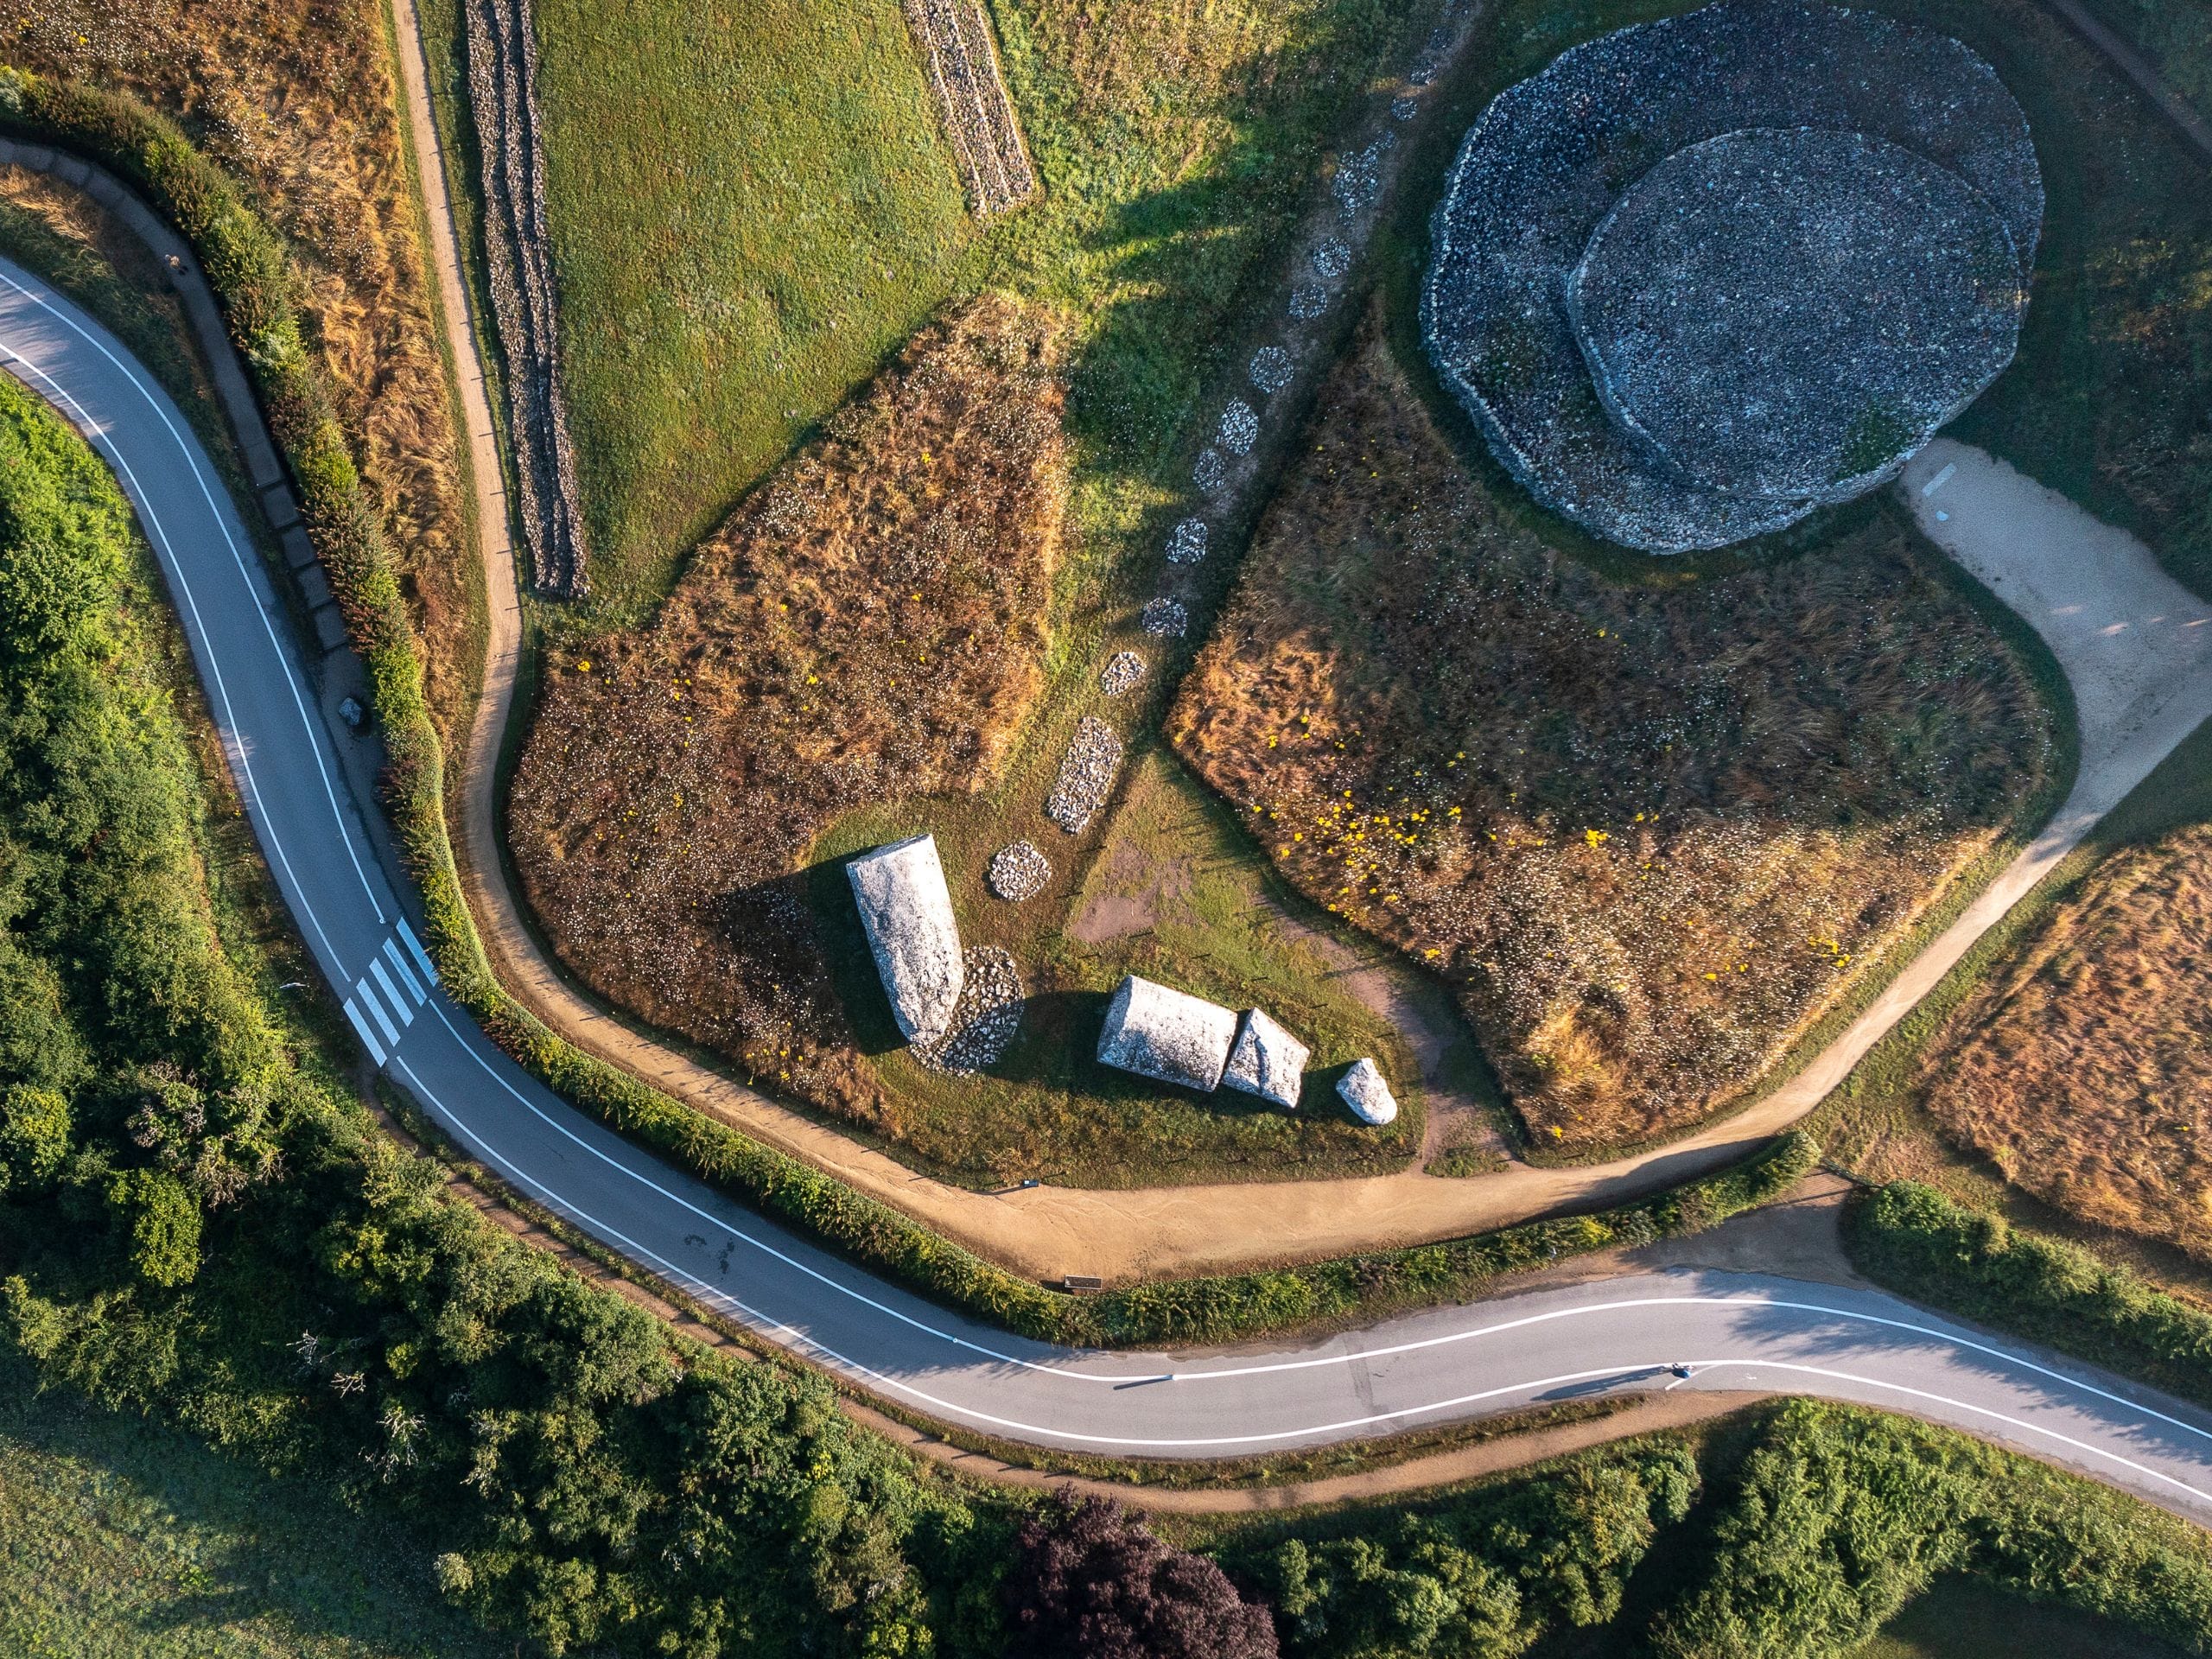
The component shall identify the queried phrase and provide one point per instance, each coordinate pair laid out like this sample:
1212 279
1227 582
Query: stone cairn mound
1701 276
986 1021
519 265
1122 673
1018 872
1086 775
954 38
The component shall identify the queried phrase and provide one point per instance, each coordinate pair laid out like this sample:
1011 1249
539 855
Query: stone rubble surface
1123 673
986 1021
1086 775
1018 872
1544 166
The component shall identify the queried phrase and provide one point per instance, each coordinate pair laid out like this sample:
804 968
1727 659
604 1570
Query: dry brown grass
1651 833
867 626
296 97
2082 1071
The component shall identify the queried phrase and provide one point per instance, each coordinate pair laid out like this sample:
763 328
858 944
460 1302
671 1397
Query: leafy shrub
1089 1582
1842 1517
1921 1244
1481 1576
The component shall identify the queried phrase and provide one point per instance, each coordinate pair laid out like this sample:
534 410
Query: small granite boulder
906 909
1267 1061
1367 1094
1167 1035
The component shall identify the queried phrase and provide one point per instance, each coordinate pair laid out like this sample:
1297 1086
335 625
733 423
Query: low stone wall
954 38
503 103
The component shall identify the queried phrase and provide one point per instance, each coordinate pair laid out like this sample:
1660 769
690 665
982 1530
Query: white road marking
414 949
369 1002
391 993
361 1029
399 965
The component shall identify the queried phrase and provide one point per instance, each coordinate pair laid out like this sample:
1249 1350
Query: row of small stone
1086 773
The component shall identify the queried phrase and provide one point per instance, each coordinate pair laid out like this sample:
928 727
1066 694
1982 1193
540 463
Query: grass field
1959 1619
1650 829
123 1539
1177 899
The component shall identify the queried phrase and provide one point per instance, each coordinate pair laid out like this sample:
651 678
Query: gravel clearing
1018 872
986 1022
1272 369
1240 428
1086 775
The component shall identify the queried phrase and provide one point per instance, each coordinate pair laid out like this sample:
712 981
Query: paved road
1737 1330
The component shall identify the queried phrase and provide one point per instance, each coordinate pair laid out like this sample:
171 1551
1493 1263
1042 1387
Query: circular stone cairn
1018 872
1792 313
1637 424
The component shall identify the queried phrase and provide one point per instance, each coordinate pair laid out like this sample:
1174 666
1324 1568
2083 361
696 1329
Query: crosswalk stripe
361 1028
369 1002
414 949
391 993
406 974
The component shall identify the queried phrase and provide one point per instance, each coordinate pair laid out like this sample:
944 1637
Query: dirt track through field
2094 592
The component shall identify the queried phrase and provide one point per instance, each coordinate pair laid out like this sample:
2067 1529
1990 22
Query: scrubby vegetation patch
2083 1068
1648 832
865 627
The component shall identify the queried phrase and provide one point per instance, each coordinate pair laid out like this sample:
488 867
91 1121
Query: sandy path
2133 642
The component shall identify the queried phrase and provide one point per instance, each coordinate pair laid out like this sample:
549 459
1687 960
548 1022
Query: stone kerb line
973 104
503 100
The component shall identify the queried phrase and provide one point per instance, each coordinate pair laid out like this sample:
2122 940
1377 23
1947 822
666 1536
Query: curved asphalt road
1738 1331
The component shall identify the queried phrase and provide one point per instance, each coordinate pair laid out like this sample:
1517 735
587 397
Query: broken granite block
906 910
1363 1089
1167 1035
1267 1061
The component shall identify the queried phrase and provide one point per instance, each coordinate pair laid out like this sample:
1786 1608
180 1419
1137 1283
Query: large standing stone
906 909
1267 1061
1370 1097
1167 1035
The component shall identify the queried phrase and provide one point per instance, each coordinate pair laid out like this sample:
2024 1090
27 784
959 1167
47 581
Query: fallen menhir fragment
1167 1035
1363 1089
907 912
1267 1061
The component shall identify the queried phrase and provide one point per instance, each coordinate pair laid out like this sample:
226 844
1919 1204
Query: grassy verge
1960 1619
121 1537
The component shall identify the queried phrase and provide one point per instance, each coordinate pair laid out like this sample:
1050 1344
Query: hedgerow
1969 1261
1840 1516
